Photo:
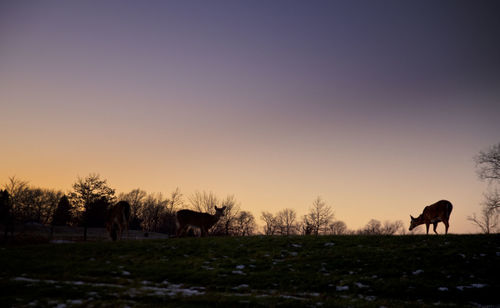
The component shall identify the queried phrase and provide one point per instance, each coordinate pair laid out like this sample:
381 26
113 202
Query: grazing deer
117 220
202 221
432 214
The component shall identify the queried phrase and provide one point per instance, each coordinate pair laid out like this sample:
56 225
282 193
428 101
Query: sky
378 107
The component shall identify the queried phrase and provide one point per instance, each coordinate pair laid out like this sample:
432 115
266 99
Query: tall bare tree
488 168
270 226
487 220
286 221
244 224
338 227
488 163
319 217
89 191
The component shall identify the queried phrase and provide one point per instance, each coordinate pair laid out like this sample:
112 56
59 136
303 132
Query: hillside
256 271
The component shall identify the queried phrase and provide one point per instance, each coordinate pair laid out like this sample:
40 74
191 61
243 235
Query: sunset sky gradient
376 106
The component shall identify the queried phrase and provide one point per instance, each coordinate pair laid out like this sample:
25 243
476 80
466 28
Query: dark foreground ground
390 271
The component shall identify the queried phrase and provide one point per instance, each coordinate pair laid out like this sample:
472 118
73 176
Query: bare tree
286 222
487 221
153 210
203 202
372 227
338 227
375 227
135 198
392 227
488 163
19 192
319 217
270 226
225 226
175 202
245 224
87 192
488 168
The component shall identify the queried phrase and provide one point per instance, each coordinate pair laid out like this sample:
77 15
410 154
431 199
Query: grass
341 271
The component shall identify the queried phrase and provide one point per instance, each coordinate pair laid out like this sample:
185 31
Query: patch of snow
417 272
329 244
293 253
296 245
360 285
61 242
76 302
462 255
342 288
478 285
125 273
241 286
443 289
238 272
240 267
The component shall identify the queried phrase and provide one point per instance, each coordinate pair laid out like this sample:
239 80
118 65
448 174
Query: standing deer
432 214
117 220
203 221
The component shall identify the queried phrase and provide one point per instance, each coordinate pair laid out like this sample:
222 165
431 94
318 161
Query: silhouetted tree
375 227
244 224
88 191
286 222
319 217
6 218
338 228
153 209
30 204
96 213
19 192
270 226
135 198
488 219
488 163
488 168
62 215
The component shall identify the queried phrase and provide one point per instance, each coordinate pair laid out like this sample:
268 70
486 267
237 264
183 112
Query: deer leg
447 225
435 226
427 228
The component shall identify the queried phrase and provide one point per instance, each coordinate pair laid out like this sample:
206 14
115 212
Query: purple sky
377 106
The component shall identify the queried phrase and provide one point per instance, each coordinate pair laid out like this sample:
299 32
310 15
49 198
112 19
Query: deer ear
412 217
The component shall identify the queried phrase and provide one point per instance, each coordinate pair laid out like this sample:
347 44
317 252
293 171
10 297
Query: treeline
321 220
86 205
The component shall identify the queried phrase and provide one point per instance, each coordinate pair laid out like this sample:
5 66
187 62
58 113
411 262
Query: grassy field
390 271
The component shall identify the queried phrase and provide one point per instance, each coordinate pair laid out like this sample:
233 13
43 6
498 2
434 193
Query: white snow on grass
360 285
238 272
163 289
472 286
417 272
342 288
443 289
329 244
240 267
125 273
